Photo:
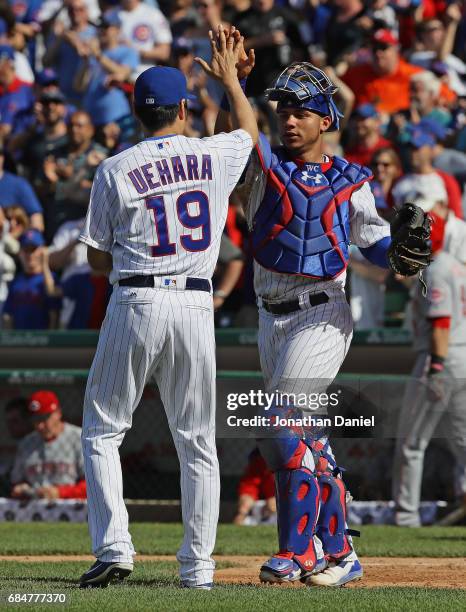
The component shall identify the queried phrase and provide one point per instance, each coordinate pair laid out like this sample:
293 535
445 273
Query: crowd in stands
67 70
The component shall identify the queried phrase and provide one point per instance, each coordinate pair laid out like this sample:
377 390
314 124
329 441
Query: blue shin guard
297 511
331 525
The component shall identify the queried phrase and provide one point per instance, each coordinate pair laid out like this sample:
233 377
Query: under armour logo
133 294
317 178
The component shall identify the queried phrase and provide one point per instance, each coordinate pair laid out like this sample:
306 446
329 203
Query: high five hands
229 58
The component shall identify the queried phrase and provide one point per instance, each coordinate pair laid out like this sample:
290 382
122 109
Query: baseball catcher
304 208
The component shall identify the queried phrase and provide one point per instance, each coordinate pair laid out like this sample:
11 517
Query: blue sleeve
6 116
54 303
319 23
133 59
70 287
7 309
28 199
377 252
129 57
264 150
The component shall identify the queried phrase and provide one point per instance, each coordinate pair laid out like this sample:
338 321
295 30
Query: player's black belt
281 308
192 284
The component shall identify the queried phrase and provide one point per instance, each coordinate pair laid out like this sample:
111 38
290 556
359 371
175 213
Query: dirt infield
378 571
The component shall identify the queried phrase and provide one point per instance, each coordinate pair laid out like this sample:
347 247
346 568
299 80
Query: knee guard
282 453
298 501
331 525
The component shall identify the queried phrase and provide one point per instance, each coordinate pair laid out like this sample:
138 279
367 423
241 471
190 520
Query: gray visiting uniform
421 412
44 464
228 251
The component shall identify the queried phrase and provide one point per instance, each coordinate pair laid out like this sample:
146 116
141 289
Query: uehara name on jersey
172 170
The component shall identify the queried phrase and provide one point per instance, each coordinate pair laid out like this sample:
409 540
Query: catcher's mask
302 85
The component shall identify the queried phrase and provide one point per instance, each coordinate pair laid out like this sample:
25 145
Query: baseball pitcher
154 224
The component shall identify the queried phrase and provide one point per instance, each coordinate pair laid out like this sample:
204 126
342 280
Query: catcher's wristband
437 364
224 104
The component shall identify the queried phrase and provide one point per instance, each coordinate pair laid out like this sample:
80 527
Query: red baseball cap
384 37
43 403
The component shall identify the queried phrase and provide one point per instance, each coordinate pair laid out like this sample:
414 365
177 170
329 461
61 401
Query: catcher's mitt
410 250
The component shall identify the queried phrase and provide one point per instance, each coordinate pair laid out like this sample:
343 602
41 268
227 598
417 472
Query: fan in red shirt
367 137
16 97
385 81
256 483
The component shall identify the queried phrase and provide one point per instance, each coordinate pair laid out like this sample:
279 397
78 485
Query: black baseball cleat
102 572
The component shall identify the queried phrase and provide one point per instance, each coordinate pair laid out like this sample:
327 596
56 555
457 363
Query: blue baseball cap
417 137
433 127
365 111
161 86
7 52
110 19
32 238
47 76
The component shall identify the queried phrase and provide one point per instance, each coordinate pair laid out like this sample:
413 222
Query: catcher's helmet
303 85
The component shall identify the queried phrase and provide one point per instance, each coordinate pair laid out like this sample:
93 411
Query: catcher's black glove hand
410 250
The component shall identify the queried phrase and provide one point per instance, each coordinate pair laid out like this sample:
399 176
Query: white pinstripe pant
302 352
169 334
306 345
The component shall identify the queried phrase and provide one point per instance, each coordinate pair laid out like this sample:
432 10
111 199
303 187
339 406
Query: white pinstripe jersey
366 228
160 207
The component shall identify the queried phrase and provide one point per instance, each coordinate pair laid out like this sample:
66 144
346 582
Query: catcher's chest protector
302 224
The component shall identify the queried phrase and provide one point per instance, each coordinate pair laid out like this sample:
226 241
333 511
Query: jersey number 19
201 220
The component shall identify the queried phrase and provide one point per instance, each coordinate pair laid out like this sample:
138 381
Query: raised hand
246 61
225 56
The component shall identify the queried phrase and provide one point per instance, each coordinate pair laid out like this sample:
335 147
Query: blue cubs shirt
16 191
90 296
28 304
106 104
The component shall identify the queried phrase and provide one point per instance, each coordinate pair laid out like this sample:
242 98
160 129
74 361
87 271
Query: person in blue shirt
27 23
90 294
107 65
28 305
16 191
16 97
65 47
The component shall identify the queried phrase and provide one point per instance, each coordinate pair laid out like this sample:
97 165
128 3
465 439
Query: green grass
154 586
165 538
